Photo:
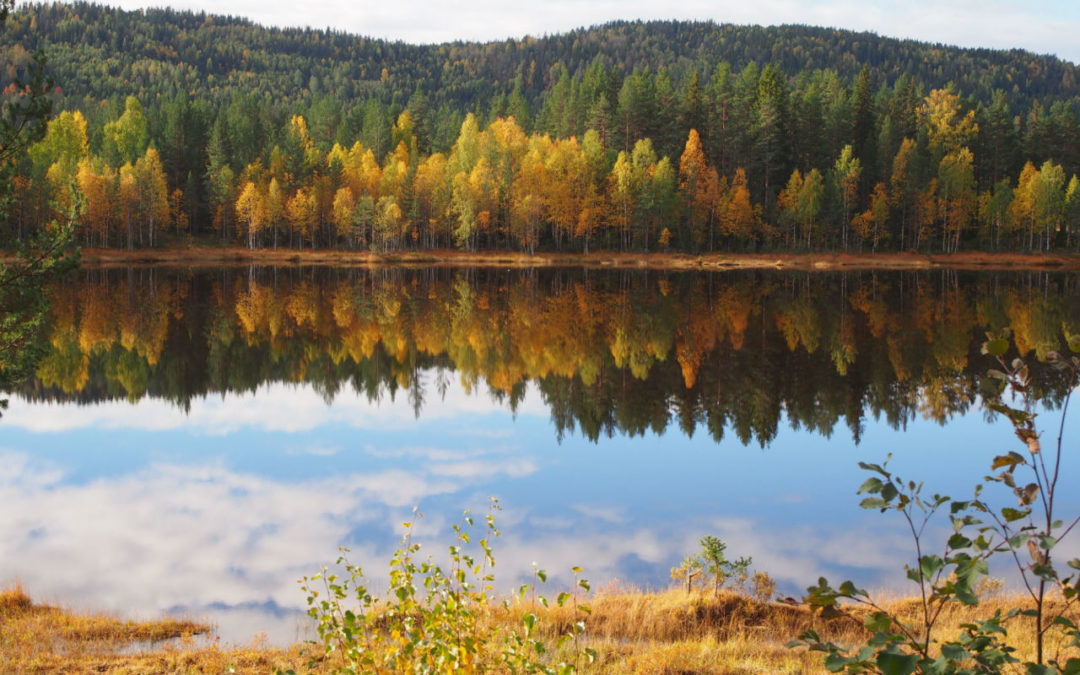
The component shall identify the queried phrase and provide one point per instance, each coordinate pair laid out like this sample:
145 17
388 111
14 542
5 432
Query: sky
1041 26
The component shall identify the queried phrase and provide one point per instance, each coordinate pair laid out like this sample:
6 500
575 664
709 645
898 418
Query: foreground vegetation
632 631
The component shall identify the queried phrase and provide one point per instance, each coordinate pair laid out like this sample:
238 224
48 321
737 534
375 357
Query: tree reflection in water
610 352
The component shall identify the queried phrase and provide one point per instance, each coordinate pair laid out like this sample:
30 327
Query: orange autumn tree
527 204
153 193
251 210
700 187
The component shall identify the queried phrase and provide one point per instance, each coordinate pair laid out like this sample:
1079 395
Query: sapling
1027 533
432 620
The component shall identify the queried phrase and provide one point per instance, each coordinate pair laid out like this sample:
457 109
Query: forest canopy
687 136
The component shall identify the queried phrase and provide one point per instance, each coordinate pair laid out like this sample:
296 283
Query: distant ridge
101 52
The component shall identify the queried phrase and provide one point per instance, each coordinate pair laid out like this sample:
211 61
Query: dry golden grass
43 639
666 632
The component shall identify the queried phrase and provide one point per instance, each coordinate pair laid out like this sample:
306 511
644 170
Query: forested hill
102 52
630 136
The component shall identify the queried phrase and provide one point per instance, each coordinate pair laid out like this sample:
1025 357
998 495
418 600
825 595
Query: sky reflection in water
131 485
141 508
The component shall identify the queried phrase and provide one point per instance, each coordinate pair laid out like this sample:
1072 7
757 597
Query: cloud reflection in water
212 519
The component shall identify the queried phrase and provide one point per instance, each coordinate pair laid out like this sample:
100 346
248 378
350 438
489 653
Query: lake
195 441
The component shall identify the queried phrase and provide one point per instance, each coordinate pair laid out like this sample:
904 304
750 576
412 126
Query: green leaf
966 595
1012 515
878 622
876 468
889 492
542 576
847 588
1044 571
835 662
931 564
996 347
874 503
871 485
959 541
563 597
954 652
1064 621
897 664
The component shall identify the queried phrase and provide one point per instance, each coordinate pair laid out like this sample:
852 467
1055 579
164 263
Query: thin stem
1004 528
922 582
1060 438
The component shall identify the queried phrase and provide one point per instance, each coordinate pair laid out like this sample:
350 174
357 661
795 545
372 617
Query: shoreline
632 631
206 256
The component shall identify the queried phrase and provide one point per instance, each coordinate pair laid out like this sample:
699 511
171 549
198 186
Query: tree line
693 156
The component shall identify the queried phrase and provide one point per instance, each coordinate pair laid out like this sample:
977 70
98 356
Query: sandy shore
205 256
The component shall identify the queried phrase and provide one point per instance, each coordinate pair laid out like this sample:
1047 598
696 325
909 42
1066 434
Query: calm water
195 442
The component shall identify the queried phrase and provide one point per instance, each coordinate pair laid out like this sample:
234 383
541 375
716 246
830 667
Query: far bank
202 256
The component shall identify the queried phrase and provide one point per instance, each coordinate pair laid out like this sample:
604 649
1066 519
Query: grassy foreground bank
632 632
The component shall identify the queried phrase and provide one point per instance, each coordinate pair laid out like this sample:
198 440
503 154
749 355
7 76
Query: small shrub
433 619
712 563
987 588
1028 533
762 587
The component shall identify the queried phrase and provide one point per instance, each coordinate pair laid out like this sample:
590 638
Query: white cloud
515 468
201 536
318 451
609 514
551 522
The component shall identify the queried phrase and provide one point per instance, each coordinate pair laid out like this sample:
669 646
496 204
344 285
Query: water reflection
621 352
197 441
165 516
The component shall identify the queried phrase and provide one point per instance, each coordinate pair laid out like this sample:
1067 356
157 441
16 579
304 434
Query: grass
38 638
665 632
